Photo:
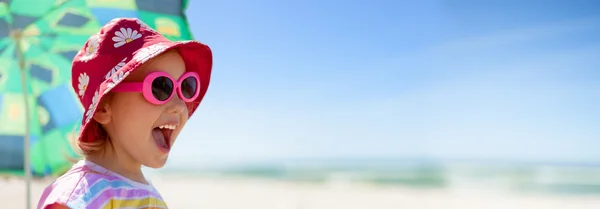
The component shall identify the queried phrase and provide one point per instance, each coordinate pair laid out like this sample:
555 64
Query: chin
158 163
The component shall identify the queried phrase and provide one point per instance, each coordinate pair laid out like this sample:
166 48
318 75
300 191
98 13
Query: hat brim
196 56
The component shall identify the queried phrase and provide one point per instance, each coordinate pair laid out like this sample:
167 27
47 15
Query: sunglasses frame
146 86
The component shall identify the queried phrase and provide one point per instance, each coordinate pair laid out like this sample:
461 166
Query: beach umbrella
39 111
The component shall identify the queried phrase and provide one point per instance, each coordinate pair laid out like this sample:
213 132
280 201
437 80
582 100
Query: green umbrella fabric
42 37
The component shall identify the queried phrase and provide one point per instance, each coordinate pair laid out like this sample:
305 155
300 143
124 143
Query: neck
121 164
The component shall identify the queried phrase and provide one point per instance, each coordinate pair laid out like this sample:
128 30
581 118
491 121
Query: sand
232 193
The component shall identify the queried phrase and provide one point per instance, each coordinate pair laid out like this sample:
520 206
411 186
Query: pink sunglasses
159 87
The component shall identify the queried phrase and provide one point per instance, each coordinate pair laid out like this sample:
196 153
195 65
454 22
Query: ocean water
547 178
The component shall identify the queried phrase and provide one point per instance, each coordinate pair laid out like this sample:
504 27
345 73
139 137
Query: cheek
134 116
183 118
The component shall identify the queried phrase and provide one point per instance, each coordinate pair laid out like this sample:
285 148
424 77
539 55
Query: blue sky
512 80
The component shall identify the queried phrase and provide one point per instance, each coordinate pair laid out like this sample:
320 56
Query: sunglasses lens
162 87
189 86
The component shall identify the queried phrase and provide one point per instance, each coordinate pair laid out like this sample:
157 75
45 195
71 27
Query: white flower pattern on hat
91 48
145 53
91 108
143 25
125 36
115 69
116 79
83 80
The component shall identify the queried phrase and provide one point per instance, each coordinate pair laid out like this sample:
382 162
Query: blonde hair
99 142
94 139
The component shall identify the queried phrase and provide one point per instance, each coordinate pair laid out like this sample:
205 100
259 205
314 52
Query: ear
103 112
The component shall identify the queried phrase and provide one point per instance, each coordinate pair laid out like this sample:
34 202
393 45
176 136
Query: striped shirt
88 185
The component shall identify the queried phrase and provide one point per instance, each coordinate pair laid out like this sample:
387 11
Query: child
138 90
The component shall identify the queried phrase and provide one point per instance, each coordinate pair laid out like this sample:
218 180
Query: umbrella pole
18 35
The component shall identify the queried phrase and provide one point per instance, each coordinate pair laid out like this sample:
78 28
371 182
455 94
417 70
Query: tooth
161 127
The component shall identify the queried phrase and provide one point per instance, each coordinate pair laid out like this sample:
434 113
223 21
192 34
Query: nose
176 105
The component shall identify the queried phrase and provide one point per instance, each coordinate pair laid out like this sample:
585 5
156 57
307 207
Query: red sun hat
121 46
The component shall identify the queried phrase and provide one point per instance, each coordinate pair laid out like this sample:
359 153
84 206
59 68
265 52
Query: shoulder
78 188
59 191
95 190
85 186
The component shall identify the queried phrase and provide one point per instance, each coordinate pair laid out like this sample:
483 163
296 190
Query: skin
129 119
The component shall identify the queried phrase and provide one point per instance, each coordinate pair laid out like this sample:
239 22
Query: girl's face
141 132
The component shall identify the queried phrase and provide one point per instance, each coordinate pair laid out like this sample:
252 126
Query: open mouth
162 136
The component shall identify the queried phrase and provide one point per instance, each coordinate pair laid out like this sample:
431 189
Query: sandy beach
235 193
